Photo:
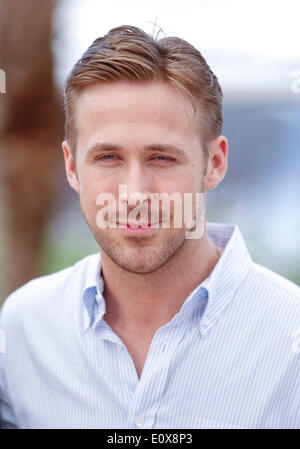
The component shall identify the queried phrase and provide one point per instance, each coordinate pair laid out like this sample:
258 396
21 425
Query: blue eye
106 157
164 158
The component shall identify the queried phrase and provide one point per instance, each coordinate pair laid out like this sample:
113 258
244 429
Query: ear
217 162
70 166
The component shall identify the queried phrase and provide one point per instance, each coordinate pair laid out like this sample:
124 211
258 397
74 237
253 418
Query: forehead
124 110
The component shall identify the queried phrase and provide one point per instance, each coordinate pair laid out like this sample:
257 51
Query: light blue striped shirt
229 359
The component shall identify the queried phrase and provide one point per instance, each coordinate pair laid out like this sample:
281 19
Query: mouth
137 227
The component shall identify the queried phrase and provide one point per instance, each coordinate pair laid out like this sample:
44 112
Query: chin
141 259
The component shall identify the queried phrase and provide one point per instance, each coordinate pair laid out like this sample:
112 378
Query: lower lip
138 229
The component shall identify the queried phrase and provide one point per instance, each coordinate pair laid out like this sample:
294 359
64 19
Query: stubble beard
136 254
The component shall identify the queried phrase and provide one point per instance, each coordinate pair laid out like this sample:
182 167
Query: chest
187 382
138 349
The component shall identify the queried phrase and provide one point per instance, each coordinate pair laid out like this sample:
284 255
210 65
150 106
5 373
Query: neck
145 302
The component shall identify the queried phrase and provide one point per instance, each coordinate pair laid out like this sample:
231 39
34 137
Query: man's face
147 137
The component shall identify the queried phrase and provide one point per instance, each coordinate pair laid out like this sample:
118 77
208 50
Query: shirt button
98 298
139 421
164 347
205 321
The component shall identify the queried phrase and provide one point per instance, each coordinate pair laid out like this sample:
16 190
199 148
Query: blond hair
128 53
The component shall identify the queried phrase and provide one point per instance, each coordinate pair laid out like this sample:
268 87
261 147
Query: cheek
94 197
180 183
91 185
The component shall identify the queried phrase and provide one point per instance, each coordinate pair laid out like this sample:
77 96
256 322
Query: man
162 328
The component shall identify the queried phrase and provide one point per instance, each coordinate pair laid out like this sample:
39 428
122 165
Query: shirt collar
215 292
92 292
228 273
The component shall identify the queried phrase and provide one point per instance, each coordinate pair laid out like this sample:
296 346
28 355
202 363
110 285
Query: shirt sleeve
7 416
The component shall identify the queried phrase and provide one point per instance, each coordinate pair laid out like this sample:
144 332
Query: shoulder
273 289
276 280
46 291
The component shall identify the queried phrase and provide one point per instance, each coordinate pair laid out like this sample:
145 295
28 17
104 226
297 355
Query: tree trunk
31 129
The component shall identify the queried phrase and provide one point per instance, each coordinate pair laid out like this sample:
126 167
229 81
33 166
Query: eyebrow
101 147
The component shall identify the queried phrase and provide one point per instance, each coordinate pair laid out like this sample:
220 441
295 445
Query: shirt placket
149 390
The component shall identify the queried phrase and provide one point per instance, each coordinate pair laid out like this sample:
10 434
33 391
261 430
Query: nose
137 186
137 181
